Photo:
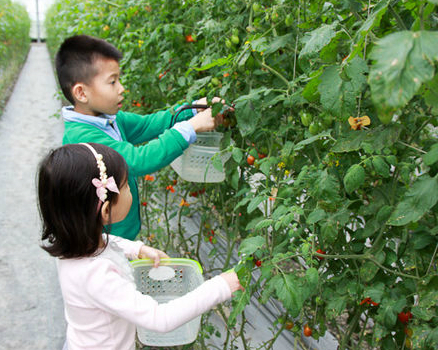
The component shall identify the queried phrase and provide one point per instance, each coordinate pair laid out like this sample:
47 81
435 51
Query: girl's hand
153 254
232 280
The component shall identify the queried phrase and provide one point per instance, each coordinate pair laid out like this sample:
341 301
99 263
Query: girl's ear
79 92
105 212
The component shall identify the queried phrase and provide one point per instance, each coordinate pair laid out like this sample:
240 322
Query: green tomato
256 7
314 128
385 117
250 63
235 31
215 81
306 118
275 17
327 120
235 39
289 20
228 43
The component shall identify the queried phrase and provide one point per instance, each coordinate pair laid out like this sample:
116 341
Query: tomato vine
334 151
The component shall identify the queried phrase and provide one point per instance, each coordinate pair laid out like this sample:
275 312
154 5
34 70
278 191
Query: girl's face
120 209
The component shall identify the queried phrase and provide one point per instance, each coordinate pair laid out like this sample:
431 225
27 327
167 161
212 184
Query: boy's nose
121 89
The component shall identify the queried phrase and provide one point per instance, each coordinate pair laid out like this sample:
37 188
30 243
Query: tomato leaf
371 22
338 96
431 157
286 290
419 199
403 62
219 62
354 178
248 110
255 203
315 216
312 277
239 302
381 167
317 39
251 244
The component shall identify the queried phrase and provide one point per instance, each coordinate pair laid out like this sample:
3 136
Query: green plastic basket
174 278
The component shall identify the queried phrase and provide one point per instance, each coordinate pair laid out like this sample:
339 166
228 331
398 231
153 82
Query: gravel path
31 304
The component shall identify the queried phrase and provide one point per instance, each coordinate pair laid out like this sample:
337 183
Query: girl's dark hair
67 199
75 60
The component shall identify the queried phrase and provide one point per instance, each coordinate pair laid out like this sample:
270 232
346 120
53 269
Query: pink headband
105 183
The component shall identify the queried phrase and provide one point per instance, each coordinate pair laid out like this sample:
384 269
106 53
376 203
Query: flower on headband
149 178
170 188
105 183
357 123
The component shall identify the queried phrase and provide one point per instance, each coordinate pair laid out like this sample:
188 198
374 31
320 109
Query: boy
88 73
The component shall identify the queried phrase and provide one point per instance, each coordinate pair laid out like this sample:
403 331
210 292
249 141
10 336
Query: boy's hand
152 253
203 101
204 121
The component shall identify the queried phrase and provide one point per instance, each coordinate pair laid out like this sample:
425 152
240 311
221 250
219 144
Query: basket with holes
196 163
172 279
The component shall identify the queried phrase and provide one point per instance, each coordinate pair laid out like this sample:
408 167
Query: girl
81 188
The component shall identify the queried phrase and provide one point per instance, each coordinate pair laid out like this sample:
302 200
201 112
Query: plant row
14 44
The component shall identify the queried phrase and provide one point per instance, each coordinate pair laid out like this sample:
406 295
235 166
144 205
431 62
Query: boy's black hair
68 204
75 60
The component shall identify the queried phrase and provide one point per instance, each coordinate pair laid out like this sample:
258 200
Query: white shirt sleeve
109 291
131 249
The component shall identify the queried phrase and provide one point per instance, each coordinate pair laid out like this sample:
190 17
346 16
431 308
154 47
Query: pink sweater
102 305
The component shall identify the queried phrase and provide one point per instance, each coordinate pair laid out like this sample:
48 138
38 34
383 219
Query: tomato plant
14 45
341 98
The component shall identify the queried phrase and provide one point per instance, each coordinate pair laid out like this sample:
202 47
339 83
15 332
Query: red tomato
404 317
289 325
189 38
320 251
307 331
250 160
258 263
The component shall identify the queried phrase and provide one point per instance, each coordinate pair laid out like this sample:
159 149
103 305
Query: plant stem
272 341
431 260
397 17
112 3
414 148
346 338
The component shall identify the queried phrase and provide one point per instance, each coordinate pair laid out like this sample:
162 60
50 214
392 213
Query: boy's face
104 93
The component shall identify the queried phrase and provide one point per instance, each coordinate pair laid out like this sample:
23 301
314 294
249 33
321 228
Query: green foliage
365 195
14 44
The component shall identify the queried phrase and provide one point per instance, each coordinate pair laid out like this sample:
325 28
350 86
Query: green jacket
162 147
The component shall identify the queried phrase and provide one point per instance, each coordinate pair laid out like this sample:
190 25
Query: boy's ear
105 212
79 92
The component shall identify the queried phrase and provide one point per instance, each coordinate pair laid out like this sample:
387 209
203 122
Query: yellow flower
184 203
286 172
106 28
337 163
281 165
359 122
